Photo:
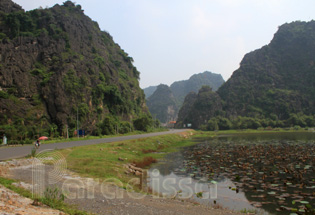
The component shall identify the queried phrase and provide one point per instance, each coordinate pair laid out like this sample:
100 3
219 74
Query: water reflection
270 171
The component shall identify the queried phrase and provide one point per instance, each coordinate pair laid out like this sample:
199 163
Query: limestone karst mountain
170 103
274 86
58 70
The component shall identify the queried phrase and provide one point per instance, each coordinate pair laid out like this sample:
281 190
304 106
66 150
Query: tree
212 125
143 123
224 123
108 125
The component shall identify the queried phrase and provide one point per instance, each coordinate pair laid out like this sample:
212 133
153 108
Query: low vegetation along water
269 173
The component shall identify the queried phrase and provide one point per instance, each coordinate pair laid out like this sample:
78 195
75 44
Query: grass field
89 137
103 161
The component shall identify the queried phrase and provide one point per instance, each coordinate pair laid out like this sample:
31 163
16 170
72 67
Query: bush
28 141
125 127
108 125
297 127
203 127
224 123
13 142
3 95
212 125
248 122
296 119
309 120
97 132
33 152
143 123
53 197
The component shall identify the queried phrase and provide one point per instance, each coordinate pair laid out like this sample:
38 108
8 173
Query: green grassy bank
107 160
91 137
254 131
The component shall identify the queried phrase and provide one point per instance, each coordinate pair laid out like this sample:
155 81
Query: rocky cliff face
7 6
56 65
178 90
162 104
274 86
181 88
199 108
277 79
148 91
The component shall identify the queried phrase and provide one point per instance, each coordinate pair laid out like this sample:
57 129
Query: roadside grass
90 137
105 161
50 198
8 184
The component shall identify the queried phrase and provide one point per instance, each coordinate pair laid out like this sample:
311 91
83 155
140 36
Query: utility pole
78 121
154 121
67 131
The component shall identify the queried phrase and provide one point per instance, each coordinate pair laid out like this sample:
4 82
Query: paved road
22 151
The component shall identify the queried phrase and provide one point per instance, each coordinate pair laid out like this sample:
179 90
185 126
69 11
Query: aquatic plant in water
276 175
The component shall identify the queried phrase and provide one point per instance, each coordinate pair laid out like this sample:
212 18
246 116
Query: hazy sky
171 40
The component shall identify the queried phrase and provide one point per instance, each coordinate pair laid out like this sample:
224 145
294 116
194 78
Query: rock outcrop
277 79
177 92
57 68
162 104
7 6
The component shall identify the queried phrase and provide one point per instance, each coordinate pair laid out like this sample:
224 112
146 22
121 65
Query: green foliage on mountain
148 91
56 64
274 86
197 108
166 103
276 79
162 104
181 88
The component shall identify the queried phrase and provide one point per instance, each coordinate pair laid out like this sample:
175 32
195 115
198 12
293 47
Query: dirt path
13 204
96 197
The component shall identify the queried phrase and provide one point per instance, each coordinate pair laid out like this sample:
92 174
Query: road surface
7 153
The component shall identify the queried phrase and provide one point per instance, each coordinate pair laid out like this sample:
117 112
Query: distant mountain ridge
193 84
181 88
148 91
169 103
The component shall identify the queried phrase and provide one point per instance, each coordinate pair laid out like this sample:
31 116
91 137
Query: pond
271 173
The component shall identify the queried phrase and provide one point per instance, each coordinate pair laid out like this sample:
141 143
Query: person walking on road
37 144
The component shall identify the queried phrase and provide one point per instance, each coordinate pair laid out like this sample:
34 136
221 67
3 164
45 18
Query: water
272 173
